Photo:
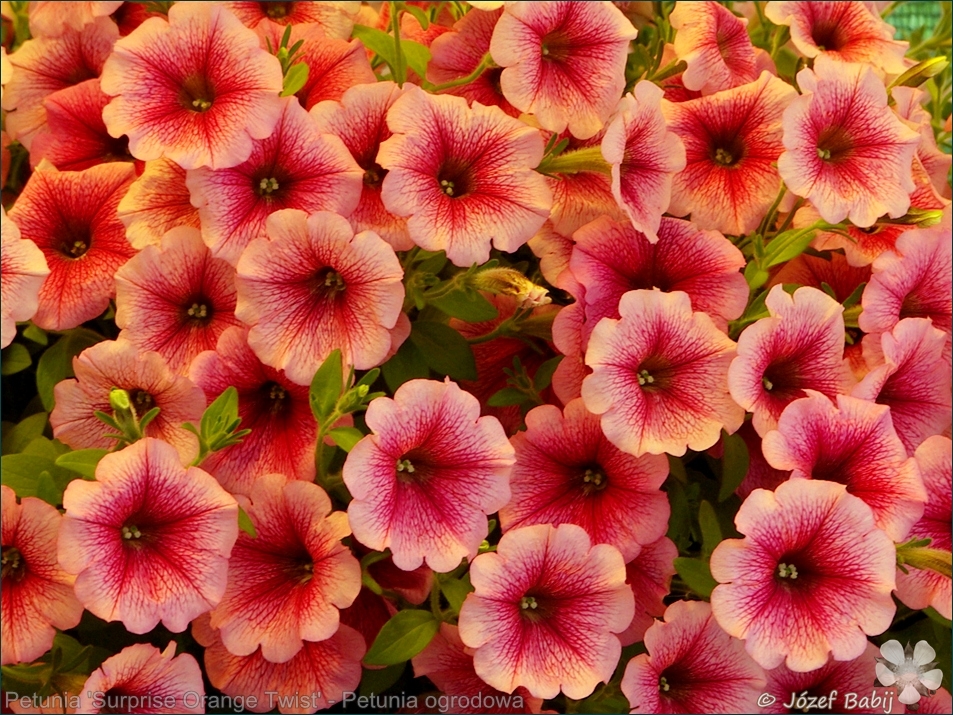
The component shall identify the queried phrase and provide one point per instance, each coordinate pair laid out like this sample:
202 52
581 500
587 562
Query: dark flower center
196 94
277 10
327 283
834 145
13 564
534 607
276 397
727 151
783 379
413 467
593 480
141 400
75 240
132 536
556 47
493 77
197 311
791 571
374 175
827 36
654 374
455 180
305 570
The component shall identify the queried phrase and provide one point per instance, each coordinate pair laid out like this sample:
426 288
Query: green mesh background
914 15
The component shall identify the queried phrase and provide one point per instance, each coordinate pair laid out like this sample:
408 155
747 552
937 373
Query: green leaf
21 473
14 358
219 417
466 305
455 590
378 42
326 387
734 465
444 350
245 523
346 437
544 373
296 78
402 637
20 435
696 574
755 275
36 335
380 680
679 523
82 461
416 55
417 13
854 298
74 656
711 531
506 397
56 363
788 245
407 364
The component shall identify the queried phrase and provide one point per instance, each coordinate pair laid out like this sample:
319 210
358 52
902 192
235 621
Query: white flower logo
910 669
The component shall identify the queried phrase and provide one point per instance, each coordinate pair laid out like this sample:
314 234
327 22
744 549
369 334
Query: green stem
435 600
669 70
572 162
400 71
772 212
790 217
485 64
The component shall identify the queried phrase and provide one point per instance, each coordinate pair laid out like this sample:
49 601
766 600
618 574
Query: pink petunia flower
800 347
359 120
197 89
314 286
22 272
935 163
913 281
75 137
37 594
317 677
71 217
610 258
148 380
425 479
458 53
287 584
644 156
692 666
297 167
649 575
564 62
156 202
714 43
864 244
464 176
141 678
799 586
659 376
921 588
335 18
842 31
815 270
149 539
275 409
567 472
545 610
53 19
852 443
910 374
448 663
176 300
554 249
845 150
44 65
732 143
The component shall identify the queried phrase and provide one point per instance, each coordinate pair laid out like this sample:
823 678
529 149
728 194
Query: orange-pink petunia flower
22 272
157 201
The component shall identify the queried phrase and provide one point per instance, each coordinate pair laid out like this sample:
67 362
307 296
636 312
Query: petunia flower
842 31
75 137
140 678
71 217
714 43
798 588
692 666
545 610
845 150
920 588
37 594
448 663
800 347
934 162
157 201
53 19
287 584
864 244
644 156
297 167
197 89
149 539
913 281
732 142
457 54
554 249
649 575
359 120
463 175
317 677
910 374
275 409
568 338
564 62
23 269
334 18
314 286
610 258
659 376
177 299
148 380
423 482
567 472
852 442
44 65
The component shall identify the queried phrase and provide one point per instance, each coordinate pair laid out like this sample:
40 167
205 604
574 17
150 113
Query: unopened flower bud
507 281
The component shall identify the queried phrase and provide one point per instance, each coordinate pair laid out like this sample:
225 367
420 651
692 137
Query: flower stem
484 65
400 71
